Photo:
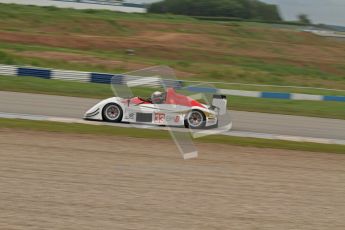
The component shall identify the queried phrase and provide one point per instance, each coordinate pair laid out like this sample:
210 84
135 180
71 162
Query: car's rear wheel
112 112
195 119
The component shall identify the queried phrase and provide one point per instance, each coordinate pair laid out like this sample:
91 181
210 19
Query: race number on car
159 118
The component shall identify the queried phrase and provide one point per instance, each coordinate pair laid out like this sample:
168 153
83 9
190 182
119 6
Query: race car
169 108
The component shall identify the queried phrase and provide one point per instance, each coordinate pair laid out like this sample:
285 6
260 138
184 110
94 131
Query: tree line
246 9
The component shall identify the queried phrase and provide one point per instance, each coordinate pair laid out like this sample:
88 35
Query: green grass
228 69
55 87
156 134
206 73
101 91
324 109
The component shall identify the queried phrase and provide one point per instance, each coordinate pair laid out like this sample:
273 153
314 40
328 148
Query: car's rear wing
220 102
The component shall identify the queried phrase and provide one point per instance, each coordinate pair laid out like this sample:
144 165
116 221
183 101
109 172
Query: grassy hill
202 50
232 51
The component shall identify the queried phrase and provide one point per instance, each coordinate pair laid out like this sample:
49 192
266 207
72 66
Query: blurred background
274 58
230 42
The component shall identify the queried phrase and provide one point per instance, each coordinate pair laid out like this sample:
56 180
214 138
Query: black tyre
195 119
112 112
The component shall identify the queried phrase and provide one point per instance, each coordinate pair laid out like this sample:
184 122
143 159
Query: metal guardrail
107 78
85 4
105 2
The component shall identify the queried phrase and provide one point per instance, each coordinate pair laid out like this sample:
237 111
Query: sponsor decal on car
177 119
131 116
172 118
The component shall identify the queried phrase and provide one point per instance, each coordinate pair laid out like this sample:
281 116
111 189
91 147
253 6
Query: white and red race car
174 110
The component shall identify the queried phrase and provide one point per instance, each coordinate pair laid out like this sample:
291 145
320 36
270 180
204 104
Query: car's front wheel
195 119
112 112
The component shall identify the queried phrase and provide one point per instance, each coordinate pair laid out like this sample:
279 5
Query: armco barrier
106 78
42 73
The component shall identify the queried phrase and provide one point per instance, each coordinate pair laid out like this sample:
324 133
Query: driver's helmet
157 97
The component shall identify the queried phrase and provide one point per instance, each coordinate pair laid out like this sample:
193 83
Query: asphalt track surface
73 107
68 181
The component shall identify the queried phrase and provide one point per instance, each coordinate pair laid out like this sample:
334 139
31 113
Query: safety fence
107 78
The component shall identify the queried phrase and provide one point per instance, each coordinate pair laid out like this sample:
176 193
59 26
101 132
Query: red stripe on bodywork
179 99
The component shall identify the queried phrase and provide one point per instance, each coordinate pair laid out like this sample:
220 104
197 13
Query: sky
319 11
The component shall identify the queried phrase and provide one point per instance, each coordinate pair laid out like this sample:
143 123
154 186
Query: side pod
220 102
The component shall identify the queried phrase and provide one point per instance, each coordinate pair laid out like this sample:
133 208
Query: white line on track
228 133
